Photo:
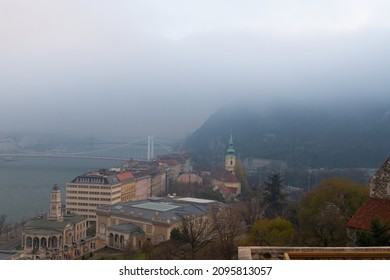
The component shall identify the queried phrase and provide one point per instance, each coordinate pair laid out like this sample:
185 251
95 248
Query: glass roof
162 207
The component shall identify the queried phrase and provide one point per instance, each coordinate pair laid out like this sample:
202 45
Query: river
25 183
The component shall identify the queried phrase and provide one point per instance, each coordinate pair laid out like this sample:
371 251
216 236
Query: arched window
29 242
43 242
111 242
122 242
36 243
116 241
54 242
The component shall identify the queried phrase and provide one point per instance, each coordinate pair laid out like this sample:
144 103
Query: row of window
90 180
83 204
96 193
80 210
93 193
90 198
91 187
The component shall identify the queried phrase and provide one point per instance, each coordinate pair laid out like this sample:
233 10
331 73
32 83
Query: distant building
90 190
157 176
225 180
143 184
230 159
128 189
132 223
176 164
189 178
57 236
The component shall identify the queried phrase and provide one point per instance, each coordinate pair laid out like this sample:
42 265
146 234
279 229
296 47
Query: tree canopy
323 212
271 232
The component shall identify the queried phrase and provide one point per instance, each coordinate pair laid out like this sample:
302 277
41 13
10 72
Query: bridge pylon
150 152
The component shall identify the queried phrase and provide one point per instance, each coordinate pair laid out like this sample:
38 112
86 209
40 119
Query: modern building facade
90 190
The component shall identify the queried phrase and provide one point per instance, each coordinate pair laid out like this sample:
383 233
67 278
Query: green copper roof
230 150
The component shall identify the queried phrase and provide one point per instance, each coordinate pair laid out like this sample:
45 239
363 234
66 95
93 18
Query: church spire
230 161
231 150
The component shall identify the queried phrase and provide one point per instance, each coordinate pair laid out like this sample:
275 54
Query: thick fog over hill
129 68
303 136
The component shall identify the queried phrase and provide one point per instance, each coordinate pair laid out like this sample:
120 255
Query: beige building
57 236
88 191
158 176
175 164
128 188
143 186
132 223
189 178
150 177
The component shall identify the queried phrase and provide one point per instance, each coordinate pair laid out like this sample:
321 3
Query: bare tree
8 230
198 232
2 222
227 224
252 208
329 226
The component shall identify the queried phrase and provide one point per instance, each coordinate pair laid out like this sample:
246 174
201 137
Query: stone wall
380 182
278 253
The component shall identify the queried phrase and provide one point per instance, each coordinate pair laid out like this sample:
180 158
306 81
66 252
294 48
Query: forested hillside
304 136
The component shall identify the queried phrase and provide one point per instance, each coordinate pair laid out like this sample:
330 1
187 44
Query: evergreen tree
378 236
274 199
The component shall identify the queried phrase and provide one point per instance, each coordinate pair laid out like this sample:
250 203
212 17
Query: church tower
230 161
55 213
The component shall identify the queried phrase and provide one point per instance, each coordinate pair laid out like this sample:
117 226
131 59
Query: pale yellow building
128 189
88 191
153 219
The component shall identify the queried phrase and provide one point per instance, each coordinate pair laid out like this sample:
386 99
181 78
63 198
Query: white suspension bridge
141 149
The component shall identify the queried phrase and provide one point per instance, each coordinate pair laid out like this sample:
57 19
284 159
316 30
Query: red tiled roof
229 177
371 208
125 176
226 191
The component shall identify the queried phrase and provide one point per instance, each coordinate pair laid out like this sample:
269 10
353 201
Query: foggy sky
136 68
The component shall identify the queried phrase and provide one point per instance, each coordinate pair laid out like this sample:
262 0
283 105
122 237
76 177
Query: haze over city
129 68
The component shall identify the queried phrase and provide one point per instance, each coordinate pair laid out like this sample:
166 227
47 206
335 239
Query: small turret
55 212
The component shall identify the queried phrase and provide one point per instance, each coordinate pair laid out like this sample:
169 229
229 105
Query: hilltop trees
323 213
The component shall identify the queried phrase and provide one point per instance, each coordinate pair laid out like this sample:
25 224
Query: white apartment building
90 190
